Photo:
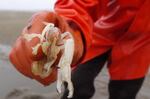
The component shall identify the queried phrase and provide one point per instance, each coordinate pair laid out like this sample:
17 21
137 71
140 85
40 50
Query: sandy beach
14 85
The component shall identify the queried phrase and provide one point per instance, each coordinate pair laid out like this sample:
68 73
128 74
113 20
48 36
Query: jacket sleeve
82 12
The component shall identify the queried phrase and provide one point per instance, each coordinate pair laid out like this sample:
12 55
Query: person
117 31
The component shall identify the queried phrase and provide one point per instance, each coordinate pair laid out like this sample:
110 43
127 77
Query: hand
22 56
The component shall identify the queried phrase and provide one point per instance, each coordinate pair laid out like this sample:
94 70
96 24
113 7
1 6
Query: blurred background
14 15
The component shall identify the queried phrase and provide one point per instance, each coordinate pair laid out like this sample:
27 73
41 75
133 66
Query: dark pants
83 81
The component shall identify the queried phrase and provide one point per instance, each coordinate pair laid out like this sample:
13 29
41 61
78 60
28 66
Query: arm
21 55
81 12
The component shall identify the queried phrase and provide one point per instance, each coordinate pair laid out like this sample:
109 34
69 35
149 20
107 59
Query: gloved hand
22 55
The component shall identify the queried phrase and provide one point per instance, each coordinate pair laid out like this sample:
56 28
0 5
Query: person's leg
124 89
83 78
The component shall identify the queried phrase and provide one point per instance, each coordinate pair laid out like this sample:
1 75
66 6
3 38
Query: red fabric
120 25
21 54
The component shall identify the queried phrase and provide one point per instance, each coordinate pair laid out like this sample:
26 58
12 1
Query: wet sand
14 85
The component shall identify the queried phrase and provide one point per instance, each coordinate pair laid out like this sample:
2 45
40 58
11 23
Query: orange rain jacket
120 25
